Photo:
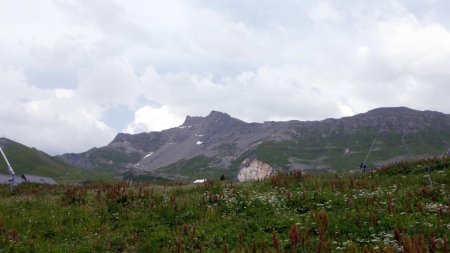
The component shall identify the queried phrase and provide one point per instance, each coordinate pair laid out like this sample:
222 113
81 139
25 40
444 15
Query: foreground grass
394 210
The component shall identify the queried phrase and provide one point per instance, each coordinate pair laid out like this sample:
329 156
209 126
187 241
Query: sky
74 73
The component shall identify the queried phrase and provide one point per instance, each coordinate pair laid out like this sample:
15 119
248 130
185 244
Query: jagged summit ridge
213 116
217 141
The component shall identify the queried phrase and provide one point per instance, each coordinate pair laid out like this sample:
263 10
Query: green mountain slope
345 151
25 160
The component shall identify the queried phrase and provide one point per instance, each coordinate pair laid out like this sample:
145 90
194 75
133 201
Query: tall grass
393 210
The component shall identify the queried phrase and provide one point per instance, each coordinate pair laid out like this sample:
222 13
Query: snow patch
199 142
149 154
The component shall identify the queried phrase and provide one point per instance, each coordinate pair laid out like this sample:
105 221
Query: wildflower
293 236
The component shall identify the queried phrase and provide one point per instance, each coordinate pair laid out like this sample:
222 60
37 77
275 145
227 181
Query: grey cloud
46 118
109 83
256 60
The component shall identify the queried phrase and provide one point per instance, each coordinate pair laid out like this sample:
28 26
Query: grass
316 151
27 160
109 155
196 167
393 210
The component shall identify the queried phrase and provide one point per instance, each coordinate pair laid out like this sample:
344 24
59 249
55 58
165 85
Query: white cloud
410 46
148 119
325 13
52 120
64 93
267 94
110 82
67 65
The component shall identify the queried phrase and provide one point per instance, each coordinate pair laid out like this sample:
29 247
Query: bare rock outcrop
253 169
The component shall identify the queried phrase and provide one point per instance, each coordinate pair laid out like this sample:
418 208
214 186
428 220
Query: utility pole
12 180
363 165
370 150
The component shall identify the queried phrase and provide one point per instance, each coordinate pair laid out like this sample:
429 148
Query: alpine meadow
228 126
403 207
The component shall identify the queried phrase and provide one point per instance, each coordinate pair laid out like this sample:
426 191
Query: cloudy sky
74 73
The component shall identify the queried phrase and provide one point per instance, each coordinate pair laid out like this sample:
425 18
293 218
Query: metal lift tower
12 180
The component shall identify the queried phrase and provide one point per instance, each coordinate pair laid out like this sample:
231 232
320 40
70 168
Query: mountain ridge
29 160
217 142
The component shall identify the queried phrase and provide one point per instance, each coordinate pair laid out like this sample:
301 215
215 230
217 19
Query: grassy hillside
187 169
196 167
393 210
27 160
336 152
345 152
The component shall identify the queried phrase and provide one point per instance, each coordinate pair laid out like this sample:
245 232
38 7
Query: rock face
217 142
253 169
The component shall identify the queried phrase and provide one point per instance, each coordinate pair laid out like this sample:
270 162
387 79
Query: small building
4 179
200 181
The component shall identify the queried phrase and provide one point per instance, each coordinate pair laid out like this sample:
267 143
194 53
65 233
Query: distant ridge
215 144
38 165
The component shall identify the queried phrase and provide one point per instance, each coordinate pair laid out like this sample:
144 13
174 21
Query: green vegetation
398 209
107 163
27 160
114 156
197 167
344 152
142 177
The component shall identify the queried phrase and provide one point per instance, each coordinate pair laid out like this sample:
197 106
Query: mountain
217 144
26 160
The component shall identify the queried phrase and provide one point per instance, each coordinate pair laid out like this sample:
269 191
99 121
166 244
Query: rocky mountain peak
143 141
121 137
399 119
212 118
217 114
219 140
